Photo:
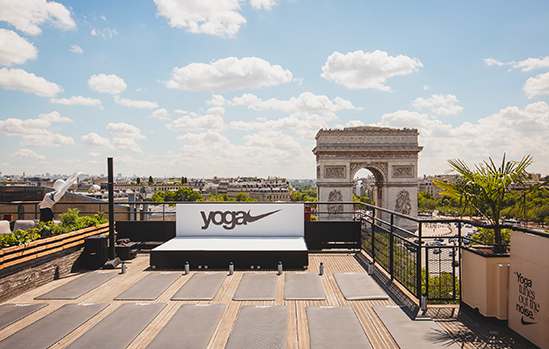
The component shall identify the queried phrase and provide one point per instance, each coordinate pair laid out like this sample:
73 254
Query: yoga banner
528 287
245 219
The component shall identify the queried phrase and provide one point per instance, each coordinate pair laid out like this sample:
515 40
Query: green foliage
485 189
242 197
220 198
69 221
487 236
305 189
182 194
138 180
151 180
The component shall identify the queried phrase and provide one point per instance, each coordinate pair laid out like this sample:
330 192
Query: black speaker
96 252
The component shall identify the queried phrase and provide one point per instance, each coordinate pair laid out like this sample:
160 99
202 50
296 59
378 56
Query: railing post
418 264
391 247
459 256
373 235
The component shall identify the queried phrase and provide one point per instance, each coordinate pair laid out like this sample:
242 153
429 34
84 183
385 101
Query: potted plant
483 190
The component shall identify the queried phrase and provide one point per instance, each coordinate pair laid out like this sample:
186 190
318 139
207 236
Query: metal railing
398 243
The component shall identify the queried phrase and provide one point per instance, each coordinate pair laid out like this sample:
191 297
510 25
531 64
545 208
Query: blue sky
204 88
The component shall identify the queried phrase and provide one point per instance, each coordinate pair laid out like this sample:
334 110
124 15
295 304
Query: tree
138 180
151 181
484 189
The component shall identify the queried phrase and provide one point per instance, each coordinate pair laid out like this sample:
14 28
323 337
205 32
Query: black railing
400 244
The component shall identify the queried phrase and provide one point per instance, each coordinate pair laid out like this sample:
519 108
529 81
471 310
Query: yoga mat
191 326
409 333
120 327
149 288
53 327
11 313
200 287
79 286
359 286
260 327
303 286
256 287
335 327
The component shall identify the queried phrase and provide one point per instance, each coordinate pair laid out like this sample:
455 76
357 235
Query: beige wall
529 288
484 283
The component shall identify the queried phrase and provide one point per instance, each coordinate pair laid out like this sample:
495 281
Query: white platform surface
234 244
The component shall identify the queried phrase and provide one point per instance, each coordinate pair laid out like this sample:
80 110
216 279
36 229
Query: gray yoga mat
200 287
256 287
303 286
359 286
192 326
409 334
149 288
79 286
260 327
335 327
11 313
120 327
53 327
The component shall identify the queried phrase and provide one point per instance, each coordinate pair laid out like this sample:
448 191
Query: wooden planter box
28 266
485 282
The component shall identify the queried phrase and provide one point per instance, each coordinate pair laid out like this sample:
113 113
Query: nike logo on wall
249 218
526 322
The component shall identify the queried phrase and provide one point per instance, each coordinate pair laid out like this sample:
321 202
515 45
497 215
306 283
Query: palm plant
483 188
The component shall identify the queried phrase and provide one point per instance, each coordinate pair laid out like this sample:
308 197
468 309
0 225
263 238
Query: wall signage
247 219
528 285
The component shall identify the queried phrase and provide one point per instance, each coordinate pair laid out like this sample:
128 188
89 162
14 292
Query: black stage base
222 259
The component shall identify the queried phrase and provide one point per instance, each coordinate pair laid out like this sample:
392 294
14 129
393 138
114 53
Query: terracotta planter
485 282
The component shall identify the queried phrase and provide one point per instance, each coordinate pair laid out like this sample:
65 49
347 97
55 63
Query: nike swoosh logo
250 218
526 322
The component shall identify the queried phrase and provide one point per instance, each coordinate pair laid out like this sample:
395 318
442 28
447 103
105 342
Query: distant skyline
204 88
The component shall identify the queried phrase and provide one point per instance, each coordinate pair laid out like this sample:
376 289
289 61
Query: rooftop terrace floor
466 328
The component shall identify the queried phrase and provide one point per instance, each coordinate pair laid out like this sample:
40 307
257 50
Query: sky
204 88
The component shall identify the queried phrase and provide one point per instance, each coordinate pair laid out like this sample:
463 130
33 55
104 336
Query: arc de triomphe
391 155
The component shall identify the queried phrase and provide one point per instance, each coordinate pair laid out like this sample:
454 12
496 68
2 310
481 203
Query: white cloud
96 141
160 114
354 123
27 15
502 132
442 104
18 79
492 61
263 153
306 102
15 49
194 122
528 64
94 154
179 111
55 117
106 33
47 140
304 125
126 144
78 100
135 104
537 86
360 70
426 87
27 154
228 74
265 4
107 83
217 100
207 137
213 17
76 49
124 130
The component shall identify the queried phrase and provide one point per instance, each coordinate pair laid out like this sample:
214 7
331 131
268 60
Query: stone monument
391 155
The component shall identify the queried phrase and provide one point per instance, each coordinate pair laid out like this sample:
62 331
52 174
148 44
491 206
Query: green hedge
69 221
